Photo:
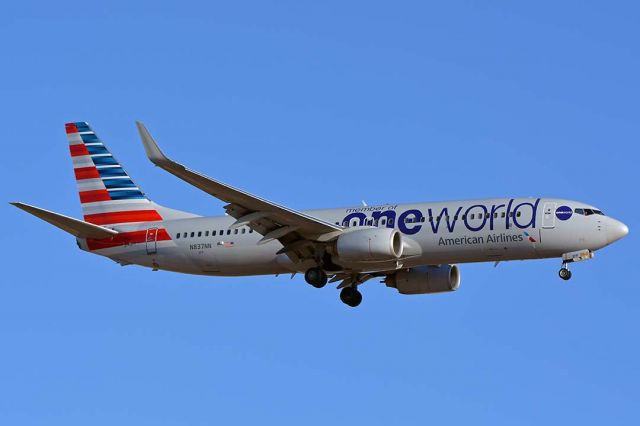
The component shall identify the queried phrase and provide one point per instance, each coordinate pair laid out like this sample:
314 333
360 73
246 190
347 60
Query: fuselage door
548 215
151 240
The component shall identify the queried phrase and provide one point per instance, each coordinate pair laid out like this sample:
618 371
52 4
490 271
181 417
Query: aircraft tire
565 274
350 296
316 277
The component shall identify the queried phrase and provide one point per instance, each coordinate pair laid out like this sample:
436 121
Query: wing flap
68 224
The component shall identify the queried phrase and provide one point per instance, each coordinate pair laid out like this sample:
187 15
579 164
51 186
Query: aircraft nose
616 230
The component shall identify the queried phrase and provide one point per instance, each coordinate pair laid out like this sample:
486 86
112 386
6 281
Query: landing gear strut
316 277
351 296
564 272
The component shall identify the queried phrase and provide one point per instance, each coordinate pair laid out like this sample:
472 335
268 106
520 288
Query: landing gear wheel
351 296
564 273
316 277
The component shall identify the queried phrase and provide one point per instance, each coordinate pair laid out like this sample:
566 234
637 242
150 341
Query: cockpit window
588 212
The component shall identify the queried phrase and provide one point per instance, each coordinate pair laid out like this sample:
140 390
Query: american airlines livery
413 248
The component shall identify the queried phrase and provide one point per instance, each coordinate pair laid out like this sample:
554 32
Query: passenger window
383 221
495 215
472 216
199 233
244 230
503 214
206 233
193 234
235 231
519 214
251 231
390 223
369 222
355 223
177 235
228 231
184 235
213 233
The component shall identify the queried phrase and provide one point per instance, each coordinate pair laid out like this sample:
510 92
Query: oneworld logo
564 212
474 218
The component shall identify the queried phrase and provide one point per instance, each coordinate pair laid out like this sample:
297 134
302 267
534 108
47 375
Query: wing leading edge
292 228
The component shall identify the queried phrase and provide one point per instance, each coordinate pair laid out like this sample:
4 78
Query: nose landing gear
571 257
564 272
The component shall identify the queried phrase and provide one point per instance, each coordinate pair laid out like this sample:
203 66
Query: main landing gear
316 277
351 296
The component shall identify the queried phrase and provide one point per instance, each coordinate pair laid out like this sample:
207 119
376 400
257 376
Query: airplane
413 248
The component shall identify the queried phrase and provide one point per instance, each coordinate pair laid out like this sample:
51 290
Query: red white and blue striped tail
107 194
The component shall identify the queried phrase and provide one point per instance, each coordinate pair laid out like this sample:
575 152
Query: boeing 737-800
413 248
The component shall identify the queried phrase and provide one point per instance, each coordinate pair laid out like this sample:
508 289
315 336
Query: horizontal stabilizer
73 226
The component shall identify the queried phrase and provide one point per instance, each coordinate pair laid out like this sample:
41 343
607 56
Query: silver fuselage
448 232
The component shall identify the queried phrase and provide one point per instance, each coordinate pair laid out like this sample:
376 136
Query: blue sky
317 105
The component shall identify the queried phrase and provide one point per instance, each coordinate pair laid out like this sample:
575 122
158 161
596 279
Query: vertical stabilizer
108 195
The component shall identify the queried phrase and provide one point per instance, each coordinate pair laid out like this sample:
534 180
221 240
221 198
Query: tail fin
107 194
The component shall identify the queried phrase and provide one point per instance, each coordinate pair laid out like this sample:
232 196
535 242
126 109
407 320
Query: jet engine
425 279
372 244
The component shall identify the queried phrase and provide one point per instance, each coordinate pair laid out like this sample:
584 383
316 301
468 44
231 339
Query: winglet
154 153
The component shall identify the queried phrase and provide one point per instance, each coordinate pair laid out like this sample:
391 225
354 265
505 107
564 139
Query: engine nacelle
372 244
425 279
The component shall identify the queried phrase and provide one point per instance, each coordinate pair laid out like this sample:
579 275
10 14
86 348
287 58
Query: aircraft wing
273 221
73 226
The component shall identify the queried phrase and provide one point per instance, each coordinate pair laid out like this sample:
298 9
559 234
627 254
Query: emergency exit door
151 240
